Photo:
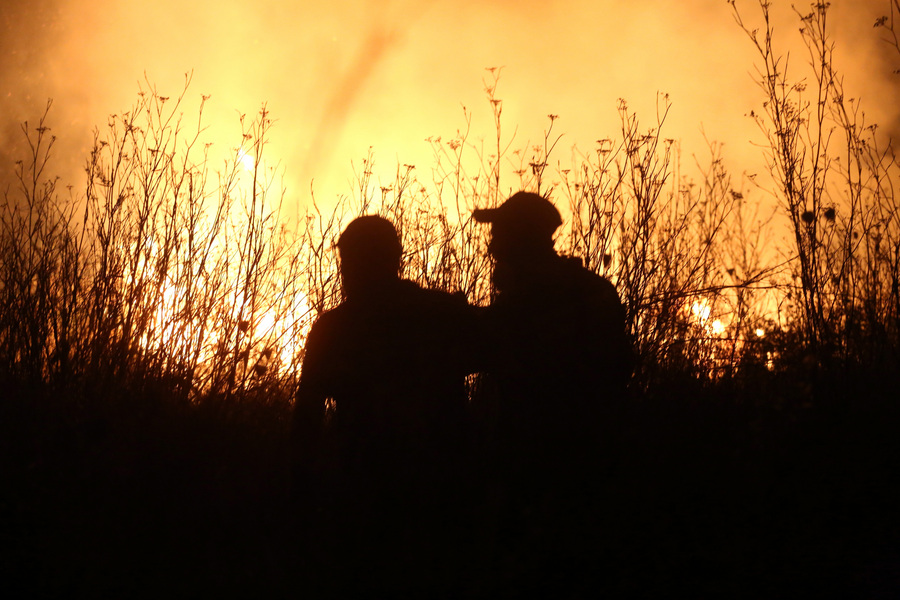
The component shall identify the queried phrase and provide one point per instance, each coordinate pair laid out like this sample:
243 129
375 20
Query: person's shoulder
590 283
332 314
438 306
329 320
574 267
433 296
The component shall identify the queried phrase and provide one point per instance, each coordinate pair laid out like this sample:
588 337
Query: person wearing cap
556 329
390 361
557 358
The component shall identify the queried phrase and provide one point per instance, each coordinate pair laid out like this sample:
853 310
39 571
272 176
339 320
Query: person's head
521 229
370 253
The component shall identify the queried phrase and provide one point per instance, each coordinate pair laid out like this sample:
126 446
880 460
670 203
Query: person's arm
618 353
307 426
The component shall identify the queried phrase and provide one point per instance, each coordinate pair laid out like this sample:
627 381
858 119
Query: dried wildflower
829 214
807 217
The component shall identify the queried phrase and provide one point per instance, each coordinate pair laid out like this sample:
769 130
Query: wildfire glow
245 160
209 318
701 310
270 339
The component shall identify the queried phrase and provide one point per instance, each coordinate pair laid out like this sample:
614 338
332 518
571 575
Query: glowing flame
701 310
268 340
245 160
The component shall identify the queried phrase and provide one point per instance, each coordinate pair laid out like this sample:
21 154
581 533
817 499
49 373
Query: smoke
346 89
342 76
869 62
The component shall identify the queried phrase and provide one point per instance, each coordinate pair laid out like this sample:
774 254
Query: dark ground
794 494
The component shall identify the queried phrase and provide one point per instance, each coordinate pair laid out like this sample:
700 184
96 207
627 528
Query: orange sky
342 76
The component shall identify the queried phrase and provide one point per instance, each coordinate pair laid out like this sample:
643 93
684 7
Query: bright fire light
701 310
245 160
270 337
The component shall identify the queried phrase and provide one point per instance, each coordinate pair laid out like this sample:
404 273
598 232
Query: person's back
557 377
559 340
557 346
557 359
392 365
379 422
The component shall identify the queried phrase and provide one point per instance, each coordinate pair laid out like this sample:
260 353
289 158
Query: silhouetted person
557 360
380 414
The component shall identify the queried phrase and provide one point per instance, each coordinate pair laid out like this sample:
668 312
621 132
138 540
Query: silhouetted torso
393 364
394 447
557 344
557 362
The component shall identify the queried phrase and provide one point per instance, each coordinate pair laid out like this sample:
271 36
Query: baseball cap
524 211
